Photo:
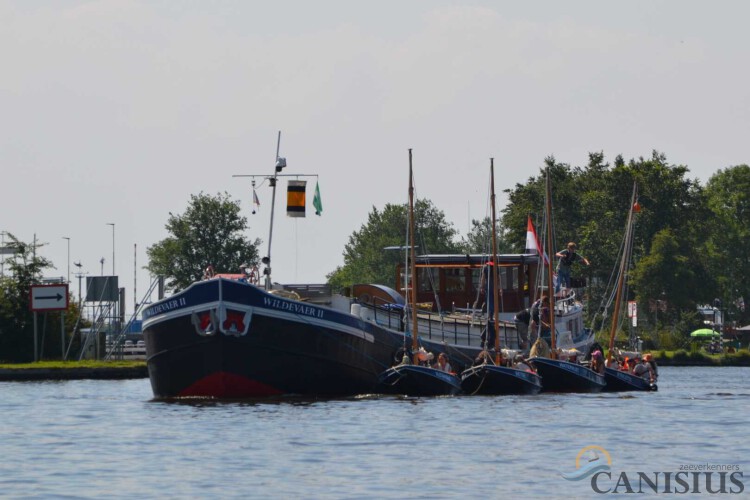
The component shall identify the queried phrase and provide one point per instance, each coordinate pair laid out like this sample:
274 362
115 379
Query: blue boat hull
623 381
225 339
496 380
415 380
564 376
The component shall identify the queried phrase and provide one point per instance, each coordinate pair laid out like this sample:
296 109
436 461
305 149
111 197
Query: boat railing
466 331
384 306
463 331
565 304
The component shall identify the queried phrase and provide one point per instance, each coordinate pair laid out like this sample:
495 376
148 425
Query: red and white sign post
633 312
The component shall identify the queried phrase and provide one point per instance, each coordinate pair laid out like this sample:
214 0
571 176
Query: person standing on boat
522 320
597 362
534 322
568 257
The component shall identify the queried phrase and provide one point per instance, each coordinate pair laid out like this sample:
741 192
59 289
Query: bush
740 358
680 355
698 357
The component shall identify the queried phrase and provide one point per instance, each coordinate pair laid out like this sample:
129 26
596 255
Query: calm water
94 439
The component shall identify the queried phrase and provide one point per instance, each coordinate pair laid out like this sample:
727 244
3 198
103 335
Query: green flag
316 200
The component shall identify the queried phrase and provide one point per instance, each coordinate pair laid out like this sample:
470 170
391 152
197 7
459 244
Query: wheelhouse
458 282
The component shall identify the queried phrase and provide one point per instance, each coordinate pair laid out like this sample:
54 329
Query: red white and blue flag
532 242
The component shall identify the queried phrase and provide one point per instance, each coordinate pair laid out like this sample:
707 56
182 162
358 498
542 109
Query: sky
117 111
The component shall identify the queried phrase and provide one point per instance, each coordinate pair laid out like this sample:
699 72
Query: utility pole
113 246
80 274
67 238
135 277
2 252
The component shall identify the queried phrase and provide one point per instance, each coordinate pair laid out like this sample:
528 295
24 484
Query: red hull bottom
228 385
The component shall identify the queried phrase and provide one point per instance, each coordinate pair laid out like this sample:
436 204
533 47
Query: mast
413 268
626 251
495 285
550 253
280 164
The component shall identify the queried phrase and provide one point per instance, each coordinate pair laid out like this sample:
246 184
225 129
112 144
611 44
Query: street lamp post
2 253
113 246
67 238
719 323
79 275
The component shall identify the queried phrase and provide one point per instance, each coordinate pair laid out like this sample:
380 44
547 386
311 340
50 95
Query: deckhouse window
425 280
454 280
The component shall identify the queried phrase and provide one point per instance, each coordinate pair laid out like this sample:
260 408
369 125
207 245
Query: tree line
691 242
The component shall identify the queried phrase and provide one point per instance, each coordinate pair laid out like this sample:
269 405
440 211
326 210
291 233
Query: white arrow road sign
49 297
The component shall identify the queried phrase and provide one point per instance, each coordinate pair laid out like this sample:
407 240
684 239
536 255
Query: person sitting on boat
597 362
519 363
648 358
405 359
612 361
632 362
615 361
483 358
424 357
540 349
442 363
643 369
209 273
568 257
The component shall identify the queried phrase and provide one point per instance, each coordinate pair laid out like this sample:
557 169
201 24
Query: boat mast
495 285
413 268
280 164
626 251
550 253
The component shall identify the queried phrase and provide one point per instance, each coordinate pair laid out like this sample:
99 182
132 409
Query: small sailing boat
618 380
414 379
560 375
489 378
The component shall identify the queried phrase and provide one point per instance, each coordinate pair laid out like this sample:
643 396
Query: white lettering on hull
292 307
167 306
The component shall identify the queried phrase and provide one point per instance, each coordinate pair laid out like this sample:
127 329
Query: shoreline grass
697 358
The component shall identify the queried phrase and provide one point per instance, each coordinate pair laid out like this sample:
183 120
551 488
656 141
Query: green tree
590 206
208 233
24 269
529 199
728 199
366 259
671 272
667 199
479 239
